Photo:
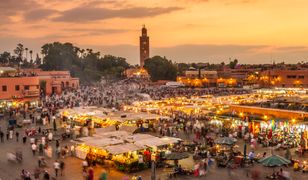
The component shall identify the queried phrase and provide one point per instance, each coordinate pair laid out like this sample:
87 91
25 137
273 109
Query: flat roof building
284 78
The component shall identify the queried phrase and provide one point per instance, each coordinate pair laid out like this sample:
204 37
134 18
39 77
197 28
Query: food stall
88 116
129 152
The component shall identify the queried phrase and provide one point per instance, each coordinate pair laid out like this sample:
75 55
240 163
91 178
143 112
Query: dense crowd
158 93
42 140
106 94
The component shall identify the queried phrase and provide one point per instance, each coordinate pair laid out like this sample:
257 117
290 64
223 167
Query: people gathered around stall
91 125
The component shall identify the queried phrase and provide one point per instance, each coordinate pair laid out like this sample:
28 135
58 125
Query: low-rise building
199 78
137 73
284 78
54 81
17 87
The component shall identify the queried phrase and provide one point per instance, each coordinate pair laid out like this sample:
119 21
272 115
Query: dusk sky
253 31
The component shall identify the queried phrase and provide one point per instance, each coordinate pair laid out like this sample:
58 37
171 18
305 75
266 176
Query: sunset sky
253 31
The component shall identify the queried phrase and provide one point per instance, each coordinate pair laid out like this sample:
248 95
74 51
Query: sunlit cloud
84 14
184 30
39 14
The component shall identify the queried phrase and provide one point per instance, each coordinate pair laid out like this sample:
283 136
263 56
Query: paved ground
11 171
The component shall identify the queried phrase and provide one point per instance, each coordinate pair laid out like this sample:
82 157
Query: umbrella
274 160
176 156
225 141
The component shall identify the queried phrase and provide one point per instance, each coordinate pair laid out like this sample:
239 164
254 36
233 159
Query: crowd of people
106 94
41 138
158 93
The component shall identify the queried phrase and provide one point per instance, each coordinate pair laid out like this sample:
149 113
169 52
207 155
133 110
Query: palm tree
19 52
38 60
26 49
31 60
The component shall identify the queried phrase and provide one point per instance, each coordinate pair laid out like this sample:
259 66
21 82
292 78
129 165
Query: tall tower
144 46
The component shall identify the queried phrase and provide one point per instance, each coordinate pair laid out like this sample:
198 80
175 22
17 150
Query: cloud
293 48
96 31
38 14
104 2
251 54
85 14
11 8
246 54
235 2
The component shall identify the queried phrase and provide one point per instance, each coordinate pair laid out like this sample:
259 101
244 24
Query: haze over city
253 31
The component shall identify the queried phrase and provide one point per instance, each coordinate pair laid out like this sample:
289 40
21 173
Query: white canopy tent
123 148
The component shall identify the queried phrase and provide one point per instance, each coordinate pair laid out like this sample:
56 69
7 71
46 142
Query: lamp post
153 170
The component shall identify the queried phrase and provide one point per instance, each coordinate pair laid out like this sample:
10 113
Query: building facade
57 81
140 73
284 78
144 46
199 78
54 81
28 83
17 88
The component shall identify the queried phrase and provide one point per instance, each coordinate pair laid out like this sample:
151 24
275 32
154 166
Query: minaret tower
144 46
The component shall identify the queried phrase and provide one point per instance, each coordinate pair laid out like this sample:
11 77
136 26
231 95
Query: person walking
62 166
7 135
251 156
33 147
41 149
17 136
11 134
103 175
1 136
37 174
56 166
84 174
57 143
90 173
24 139
46 175
72 150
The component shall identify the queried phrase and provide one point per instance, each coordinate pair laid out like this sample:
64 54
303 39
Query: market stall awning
100 142
101 133
130 129
138 137
155 141
123 148
170 140
176 156
274 160
225 141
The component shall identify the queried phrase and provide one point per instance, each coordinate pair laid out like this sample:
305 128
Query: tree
19 51
86 64
5 57
58 56
31 60
233 64
38 60
182 67
160 68
26 49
